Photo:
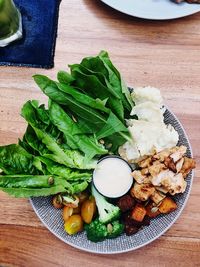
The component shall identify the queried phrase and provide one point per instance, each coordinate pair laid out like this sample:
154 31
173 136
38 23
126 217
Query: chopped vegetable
167 205
131 229
97 231
152 210
107 211
88 210
115 229
138 213
126 203
67 212
74 224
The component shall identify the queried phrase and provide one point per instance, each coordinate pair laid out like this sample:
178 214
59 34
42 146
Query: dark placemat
36 48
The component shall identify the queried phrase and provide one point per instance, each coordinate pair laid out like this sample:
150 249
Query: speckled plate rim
147 242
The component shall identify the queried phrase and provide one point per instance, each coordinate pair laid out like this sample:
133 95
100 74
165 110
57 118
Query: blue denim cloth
36 49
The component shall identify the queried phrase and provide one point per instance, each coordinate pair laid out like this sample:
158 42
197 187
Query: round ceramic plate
52 218
153 9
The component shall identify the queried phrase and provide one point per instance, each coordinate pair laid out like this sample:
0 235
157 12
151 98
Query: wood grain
162 54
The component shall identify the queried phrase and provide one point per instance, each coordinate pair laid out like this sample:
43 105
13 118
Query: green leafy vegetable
90 116
27 185
70 158
75 139
127 102
64 77
67 173
83 98
85 119
92 86
16 160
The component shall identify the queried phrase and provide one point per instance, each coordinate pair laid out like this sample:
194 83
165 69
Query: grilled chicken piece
179 164
155 169
174 183
188 165
145 171
165 153
161 189
169 163
164 171
161 155
145 163
142 191
141 178
157 197
179 153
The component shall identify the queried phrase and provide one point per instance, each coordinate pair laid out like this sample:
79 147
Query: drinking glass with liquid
10 22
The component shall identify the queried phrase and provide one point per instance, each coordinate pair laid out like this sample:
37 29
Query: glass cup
10 23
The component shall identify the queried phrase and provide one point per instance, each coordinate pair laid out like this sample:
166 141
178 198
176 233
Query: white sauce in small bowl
112 177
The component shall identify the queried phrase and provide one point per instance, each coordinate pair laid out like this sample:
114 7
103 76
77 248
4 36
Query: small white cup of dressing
112 176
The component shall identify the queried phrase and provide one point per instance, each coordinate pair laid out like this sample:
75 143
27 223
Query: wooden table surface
161 54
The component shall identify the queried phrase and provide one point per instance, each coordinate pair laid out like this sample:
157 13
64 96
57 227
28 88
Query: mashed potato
143 94
148 111
149 133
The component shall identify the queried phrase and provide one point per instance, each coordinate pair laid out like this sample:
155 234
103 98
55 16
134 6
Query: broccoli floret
107 211
115 229
97 231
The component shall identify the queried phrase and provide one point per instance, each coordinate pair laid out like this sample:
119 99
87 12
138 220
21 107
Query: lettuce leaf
15 159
